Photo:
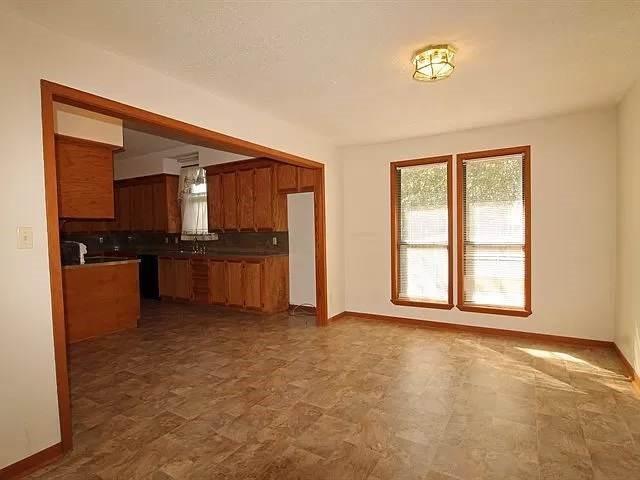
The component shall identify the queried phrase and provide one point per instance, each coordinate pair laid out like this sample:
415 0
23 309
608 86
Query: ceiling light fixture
434 62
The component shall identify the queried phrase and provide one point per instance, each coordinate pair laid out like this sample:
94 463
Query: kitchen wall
302 280
162 162
80 123
573 165
28 399
628 272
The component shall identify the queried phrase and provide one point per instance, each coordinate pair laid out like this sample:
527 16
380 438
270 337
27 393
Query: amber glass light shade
435 62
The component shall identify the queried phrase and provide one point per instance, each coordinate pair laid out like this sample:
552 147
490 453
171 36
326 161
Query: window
421 233
193 201
494 233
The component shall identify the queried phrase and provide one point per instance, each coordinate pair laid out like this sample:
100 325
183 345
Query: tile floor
200 393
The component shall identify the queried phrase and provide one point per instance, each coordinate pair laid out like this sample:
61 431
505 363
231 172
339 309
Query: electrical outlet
274 241
25 237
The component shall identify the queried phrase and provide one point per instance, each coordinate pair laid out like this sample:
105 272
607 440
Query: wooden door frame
158 124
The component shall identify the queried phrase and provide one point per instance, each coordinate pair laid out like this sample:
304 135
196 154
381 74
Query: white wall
302 280
573 164
80 123
150 163
28 399
628 272
163 161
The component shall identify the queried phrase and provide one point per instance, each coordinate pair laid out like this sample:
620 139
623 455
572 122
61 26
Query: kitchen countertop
101 262
186 253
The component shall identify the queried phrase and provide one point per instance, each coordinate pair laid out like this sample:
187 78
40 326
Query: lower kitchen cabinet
166 277
184 285
174 278
235 297
217 282
251 283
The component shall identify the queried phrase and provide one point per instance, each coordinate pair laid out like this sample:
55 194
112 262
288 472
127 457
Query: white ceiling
139 143
343 69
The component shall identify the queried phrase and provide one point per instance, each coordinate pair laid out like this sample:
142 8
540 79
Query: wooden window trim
526 173
395 218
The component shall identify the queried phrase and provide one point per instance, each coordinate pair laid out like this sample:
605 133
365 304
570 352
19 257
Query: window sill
407 302
514 312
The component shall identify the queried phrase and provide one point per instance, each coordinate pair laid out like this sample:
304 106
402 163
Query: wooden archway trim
157 124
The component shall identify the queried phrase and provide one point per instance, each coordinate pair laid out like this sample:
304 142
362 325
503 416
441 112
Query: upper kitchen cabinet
242 196
142 204
85 178
292 179
148 204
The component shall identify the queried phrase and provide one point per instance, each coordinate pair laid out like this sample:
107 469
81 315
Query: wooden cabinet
264 199
166 277
245 199
183 280
85 178
217 282
229 201
159 206
250 283
214 202
307 179
123 209
235 292
146 206
200 280
100 299
242 196
174 278
142 204
287 178
292 179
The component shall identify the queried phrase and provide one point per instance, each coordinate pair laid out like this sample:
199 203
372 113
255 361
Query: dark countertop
186 253
95 261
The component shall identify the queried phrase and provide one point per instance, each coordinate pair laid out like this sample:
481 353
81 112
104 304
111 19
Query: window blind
423 232
494 250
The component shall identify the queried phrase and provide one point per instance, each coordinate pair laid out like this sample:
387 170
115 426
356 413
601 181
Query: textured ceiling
343 69
138 143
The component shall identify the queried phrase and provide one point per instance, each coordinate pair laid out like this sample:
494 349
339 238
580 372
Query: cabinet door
183 281
235 292
200 280
230 201
306 179
287 176
217 283
124 208
166 277
137 208
147 206
263 196
252 285
174 215
214 202
245 199
159 206
85 179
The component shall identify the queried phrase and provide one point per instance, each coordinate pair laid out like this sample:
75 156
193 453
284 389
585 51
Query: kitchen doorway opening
160 125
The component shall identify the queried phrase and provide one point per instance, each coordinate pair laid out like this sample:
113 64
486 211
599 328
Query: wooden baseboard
32 463
337 317
631 372
474 329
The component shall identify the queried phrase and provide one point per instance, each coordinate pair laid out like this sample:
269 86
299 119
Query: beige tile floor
202 393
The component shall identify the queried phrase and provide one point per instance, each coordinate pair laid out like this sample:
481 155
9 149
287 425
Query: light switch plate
25 237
